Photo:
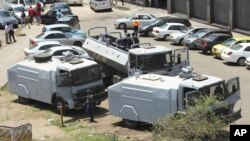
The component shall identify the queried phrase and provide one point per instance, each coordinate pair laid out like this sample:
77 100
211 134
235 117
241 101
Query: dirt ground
42 117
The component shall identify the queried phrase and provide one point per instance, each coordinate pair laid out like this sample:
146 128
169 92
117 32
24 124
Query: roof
169 24
56 25
50 32
156 81
149 50
48 42
220 34
244 44
55 63
241 38
14 5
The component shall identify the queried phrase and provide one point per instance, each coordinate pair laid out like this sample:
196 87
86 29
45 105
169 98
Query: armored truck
57 82
146 98
121 57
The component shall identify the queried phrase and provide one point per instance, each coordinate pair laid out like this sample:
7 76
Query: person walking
7 29
31 13
59 14
136 27
11 32
23 16
89 106
125 29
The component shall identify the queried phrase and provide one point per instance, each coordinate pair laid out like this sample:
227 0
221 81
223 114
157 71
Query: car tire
150 34
166 37
122 25
59 102
43 57
204 51
77 43
241 61
23 100
130 123
181 41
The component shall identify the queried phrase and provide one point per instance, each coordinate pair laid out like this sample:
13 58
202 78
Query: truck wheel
24 100
241 61
122 25
130 123
77 43
59 102
43 57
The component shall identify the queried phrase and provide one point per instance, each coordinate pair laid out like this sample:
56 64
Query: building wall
230 14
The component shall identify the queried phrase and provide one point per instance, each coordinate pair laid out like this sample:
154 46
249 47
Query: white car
16 10
41 47
237 53
178 37
142 18
64 28
165 30
76 40
57 52
247 62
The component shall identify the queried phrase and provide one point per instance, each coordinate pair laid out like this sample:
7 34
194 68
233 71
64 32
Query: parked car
146 29
247 62
5 17
206 43
64 28
180 35
190 40
142 18
16 10
61 6
165 30
75 40
71 20
41 46
237 53
57 51
50 16
217 49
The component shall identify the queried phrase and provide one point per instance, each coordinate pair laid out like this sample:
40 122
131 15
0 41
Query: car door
246 52
63 38
49 17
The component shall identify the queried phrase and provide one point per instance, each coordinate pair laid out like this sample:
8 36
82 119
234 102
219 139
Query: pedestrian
125 29
136 26
122 2
27 20
38 12
59 14
7 29
135 39
151 3
11 32
156 3
89 106
31 13
23 16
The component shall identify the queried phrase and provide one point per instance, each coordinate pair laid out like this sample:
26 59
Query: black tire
130 123
43 57
181 42
150 34
166 37
204 51
77 43
23 100
57 102
122 25
241 61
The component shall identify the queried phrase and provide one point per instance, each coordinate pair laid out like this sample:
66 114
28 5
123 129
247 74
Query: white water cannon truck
59 82
149 97
120 57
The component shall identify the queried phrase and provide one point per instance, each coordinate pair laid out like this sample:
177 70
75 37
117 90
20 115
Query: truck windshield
86 75
153 62
217 89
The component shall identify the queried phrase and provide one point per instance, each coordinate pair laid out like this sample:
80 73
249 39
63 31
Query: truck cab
57 82
146 98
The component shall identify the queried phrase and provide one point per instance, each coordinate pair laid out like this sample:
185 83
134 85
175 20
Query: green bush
198 123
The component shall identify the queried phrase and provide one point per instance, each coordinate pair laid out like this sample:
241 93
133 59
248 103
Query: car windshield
31 2
229 42
86 75
58 6
236 47
47 51
186 29
150 62
200 33
210 37
40 35
164 26
152 16
19 9
4 14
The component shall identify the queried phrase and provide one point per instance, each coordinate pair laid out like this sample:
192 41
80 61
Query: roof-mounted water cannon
187 72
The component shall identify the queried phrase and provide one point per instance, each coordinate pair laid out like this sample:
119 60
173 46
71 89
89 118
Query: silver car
16 10
76 40
142 18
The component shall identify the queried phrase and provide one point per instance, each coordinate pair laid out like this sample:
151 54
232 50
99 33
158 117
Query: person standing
11 32
125 29
122 2
7 29
38 12
89 107
136 27
23 16
59 14
31 14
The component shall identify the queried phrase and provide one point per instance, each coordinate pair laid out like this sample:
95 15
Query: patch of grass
4 87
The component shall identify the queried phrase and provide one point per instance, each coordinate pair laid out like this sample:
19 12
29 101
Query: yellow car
217 49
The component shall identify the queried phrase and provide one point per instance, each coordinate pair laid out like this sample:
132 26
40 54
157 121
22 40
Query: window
66 29
247 49
145 17
45 47
50 36
59 52
59 35
172 27
75 52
